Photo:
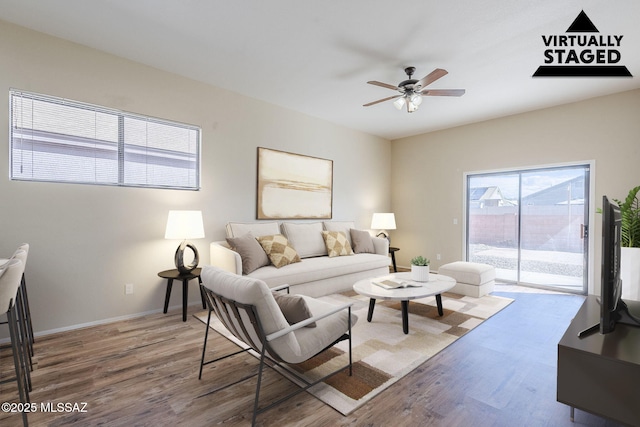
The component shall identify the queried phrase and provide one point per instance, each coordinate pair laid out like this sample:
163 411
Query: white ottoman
474 279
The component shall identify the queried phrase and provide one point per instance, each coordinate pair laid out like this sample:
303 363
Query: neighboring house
481 197
571 191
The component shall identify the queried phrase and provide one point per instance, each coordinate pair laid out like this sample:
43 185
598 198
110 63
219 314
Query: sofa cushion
321 268
237 229
294 308
278 249
251 252
337 243
343 226
306 238
361 242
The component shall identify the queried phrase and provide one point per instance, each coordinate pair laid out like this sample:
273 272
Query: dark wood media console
599 373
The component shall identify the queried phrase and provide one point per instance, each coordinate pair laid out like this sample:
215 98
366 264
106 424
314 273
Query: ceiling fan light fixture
399 103
412 90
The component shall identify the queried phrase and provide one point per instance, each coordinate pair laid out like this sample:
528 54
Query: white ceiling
316 57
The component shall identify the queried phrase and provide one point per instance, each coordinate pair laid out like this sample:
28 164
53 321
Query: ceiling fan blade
382 100
430 78
388 86
443 92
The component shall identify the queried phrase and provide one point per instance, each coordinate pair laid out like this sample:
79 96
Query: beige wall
427 170
87 241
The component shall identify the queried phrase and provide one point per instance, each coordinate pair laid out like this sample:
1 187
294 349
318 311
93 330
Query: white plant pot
420 273
630 273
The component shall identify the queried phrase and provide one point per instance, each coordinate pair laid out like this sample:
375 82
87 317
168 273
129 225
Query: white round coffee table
436 285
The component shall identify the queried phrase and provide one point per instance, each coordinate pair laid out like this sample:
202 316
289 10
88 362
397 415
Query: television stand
600 373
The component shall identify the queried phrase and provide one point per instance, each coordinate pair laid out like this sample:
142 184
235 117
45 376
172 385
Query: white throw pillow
306 238
257 229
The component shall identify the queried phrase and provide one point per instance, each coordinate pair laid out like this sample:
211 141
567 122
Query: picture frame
293 186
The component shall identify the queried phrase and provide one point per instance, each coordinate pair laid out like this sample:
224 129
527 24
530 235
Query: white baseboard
101 322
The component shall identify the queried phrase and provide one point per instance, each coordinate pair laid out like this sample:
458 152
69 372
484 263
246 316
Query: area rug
382 353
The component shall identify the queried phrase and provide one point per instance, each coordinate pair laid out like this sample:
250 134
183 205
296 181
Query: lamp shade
416 99
184 225
383 221
399 103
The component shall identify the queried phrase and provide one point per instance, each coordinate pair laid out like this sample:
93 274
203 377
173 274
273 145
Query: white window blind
60 140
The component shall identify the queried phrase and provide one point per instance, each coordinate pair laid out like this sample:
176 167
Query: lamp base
179 258
385 235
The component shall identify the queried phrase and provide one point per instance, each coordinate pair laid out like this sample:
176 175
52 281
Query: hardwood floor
144 372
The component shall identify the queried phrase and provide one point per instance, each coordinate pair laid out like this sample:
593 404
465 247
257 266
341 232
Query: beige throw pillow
337 243
278 249
362 242
250 251
343 226
294 308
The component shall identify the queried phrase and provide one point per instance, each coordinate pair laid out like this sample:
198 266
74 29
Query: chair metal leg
16 349
350 355
204 346
300 389
21 334
203 297
27 314
255 404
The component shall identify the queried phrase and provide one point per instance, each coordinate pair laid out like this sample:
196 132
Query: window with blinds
60 140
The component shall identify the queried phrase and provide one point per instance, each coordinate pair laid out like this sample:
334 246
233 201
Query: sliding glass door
532 225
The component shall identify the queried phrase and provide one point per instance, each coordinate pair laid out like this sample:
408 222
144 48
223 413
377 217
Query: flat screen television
611 291
613 309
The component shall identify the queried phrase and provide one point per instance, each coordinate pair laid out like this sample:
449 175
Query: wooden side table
170 275
393 251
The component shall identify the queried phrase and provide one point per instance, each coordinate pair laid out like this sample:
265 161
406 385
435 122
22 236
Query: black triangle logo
582 24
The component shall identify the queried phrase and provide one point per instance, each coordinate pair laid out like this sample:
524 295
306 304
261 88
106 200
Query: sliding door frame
590 266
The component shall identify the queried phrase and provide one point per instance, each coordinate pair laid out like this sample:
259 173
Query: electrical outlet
128 289
455 221
438 257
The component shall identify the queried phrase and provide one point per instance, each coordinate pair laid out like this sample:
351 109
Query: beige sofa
317 273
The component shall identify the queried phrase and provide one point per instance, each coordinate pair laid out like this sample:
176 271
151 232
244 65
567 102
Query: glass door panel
552 218
493 218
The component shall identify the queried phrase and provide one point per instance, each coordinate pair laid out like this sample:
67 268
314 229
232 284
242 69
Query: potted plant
420 269
630 242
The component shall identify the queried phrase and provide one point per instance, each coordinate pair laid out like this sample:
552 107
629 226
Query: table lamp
383 222
185 225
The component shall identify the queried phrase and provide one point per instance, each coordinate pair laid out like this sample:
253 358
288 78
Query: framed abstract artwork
293 186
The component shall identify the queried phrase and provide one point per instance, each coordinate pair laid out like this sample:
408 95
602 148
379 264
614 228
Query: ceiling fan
412 90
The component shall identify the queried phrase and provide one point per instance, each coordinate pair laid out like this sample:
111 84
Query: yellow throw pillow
336 243
278 249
